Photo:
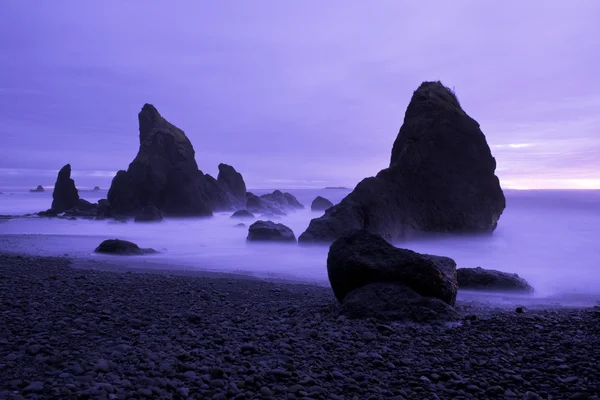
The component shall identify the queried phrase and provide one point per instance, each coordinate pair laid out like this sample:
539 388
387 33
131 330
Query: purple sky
295 94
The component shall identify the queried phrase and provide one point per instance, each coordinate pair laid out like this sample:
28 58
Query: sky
298 93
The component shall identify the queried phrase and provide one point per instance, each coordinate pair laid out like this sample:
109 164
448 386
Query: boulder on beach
149 214
396 302
65 195
122 248
320 204
39 189
361 258
441 179
164 173
242 214
491 280
268 231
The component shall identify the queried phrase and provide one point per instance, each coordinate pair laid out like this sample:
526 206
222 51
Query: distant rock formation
39 189
320 204
440 179
242 214
267 231
491 280
164 174
65 195
122 248
277 203
372 278
96 188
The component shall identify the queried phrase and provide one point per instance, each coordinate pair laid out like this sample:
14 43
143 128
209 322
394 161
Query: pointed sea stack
441 179
164 174
65 195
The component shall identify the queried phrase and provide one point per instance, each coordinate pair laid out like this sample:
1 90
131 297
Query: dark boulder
149 214
320 204
164 173
491 280
242 214
122 248
360 258
39 189
395 301
441 179
65 195
268 231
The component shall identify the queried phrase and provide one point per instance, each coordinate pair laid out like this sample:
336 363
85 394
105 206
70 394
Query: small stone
102 366
520 310
265 391
145 392
34 387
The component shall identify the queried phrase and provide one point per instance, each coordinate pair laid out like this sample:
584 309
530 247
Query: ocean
549 237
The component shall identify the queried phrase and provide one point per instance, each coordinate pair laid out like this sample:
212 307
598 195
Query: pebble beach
72 333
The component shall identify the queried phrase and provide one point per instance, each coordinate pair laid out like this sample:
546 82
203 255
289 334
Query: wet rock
491 280
441 179
65 195
361 257
122 247
267 231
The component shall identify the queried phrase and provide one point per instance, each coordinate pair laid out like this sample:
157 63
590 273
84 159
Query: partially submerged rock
277 203
441 179
149 214
38 189
164 173
65 195
122 248
320 204
96 188
242 214
364 262
491 280
268 231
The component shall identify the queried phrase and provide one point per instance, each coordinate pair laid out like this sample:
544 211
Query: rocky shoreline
81 333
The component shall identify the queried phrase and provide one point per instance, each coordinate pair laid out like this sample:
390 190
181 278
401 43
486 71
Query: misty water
548 237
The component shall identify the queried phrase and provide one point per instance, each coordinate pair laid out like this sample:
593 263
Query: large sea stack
441 178
164 174
65 195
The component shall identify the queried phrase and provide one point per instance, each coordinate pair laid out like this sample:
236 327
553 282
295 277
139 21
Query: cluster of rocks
164 179
441 179
67 333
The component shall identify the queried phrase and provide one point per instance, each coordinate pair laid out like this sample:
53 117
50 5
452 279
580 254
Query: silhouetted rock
491 280
240 225
149 214
164 173
320 204
96 188
104 209
360 258
242 214
268 231
276 203
292 201
39 189
395 301
440 179
65 195
122 248
232 183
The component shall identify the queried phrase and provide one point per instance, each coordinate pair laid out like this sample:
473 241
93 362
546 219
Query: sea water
551 238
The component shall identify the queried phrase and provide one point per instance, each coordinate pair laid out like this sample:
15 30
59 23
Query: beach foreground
84 333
